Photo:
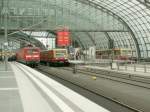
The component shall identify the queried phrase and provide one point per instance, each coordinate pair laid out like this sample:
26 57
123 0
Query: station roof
126 23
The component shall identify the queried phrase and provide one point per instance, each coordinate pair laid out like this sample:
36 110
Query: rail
56 74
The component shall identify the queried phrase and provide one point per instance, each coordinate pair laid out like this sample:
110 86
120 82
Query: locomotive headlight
28 56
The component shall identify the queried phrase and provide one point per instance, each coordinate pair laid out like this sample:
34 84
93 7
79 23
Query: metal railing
118 65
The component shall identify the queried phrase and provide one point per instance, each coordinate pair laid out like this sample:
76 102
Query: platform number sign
63 38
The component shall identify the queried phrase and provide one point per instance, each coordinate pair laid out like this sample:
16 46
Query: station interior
74 55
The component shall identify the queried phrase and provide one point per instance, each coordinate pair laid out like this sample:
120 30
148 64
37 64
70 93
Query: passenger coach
54 57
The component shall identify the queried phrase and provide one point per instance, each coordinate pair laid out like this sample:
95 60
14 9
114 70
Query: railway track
143 82
56 96
55 74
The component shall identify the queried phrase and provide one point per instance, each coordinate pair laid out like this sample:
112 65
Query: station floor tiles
9 94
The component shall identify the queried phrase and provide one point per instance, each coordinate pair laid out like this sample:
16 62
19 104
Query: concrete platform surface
23 89
10 100
130 70
140 69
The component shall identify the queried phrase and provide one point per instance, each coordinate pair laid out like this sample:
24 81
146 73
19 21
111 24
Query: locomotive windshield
32 51
60 54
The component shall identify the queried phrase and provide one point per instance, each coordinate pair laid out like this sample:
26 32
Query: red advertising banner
63 38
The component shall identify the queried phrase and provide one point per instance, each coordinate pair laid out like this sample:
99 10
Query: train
116 53
122 53
54 57
29 55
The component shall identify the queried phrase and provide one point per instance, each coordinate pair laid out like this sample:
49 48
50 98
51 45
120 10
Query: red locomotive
54 57
29 56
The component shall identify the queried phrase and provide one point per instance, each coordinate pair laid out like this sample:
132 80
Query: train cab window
60 54
124 52
32 51
117 52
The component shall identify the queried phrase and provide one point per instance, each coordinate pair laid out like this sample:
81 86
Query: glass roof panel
103 15
134 14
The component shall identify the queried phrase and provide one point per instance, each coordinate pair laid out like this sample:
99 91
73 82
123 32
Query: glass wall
92 22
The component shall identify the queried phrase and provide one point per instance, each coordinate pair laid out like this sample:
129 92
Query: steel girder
116 15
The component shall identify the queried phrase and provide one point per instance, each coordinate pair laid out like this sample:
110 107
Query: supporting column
5 9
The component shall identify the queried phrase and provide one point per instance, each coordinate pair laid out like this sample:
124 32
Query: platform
122 69
139 69
23 89
10 100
